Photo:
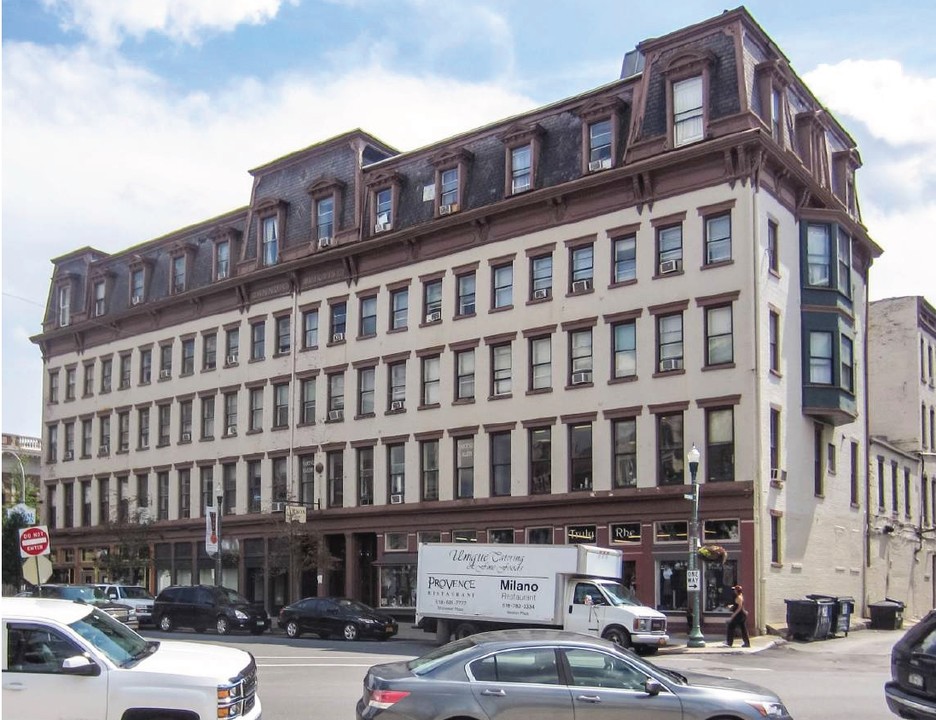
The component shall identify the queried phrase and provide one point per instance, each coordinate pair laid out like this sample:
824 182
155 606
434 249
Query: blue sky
126 119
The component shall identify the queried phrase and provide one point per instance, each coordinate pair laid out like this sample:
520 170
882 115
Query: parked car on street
70 659
202 606
556 674
87 594
327 617
911 692
136 596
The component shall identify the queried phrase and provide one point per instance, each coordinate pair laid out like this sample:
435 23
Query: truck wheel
350 631
463 630
619 636
292 629
165 623
222 625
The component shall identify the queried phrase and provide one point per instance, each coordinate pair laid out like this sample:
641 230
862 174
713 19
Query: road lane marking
325 665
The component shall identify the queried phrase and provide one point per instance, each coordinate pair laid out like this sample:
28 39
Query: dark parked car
911 692
202 606
336 616
87 594
554 674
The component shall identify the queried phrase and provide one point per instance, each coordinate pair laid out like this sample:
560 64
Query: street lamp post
219 511
696 638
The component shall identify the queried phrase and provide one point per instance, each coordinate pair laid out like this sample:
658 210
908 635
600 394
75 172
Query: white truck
463 589
64 659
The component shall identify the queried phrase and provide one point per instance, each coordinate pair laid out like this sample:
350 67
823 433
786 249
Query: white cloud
108 22
906 267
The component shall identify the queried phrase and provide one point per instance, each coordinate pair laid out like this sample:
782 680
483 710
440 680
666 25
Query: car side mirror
80 665
653 686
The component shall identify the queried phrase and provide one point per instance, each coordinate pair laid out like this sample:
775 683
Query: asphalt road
830 680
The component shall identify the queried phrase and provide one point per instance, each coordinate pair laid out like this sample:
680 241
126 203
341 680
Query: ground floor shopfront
369 553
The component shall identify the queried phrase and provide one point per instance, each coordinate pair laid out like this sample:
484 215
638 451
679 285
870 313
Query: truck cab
604 608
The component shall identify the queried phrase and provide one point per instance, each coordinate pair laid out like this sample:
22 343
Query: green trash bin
887 614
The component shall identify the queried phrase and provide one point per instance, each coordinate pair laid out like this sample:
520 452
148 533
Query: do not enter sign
34 541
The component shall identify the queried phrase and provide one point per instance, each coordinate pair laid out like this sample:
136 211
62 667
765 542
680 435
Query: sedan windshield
618 594
355 606
114 639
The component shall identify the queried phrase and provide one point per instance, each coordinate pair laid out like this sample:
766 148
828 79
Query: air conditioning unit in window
231 430
596 165
338 337
581 378
777 475
231 359
448 209
165 374
434 316
334 415
581 286
396 499
69 455
124 447
136 300
186 437
278 507
396 406
670 364
669 266
382 226
324 242
541 294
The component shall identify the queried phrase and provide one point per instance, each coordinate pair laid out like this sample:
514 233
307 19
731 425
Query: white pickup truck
63 659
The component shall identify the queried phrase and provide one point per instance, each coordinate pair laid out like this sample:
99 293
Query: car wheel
223 626
350 631
463 630
618 636
165 623
292 629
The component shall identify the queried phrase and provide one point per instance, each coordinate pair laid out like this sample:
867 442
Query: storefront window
722 531
430 536
672 584
672 532
719 580
540 536
396 541
464 536
398 586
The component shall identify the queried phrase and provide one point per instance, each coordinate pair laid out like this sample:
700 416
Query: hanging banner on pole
211 530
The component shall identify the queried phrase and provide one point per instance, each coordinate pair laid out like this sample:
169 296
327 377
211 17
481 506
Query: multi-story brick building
902 496
515 334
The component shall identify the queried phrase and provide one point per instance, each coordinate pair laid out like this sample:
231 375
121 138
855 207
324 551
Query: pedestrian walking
738 620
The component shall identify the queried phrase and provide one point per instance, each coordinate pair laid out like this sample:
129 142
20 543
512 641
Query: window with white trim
687 111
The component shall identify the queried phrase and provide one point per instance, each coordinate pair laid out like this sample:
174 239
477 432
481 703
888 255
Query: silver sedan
552 675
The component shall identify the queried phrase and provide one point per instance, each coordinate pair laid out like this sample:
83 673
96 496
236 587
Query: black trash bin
842 608
887 615
809 619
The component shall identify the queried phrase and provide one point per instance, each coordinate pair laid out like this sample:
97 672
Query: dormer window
99 298
137 280
599 145
222 260
178 274
270 240
325 218
776 113
522 144
600 129
64 306
450 178
773 78
383 201
688 126
521 169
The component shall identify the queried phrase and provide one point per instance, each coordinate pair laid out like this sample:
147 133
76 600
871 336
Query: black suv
201 606
912 691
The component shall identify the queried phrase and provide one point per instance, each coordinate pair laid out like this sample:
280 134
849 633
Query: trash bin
887 614
809 619
842 608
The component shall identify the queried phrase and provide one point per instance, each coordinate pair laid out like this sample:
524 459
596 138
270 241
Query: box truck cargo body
466 588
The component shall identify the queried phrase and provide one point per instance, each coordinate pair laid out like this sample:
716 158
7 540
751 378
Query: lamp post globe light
696 638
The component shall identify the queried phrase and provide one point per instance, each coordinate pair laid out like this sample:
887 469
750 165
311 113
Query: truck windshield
618 594
136 593
111 637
